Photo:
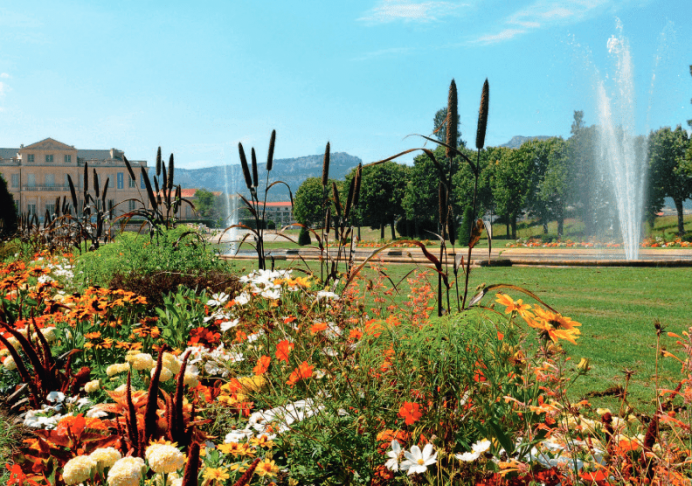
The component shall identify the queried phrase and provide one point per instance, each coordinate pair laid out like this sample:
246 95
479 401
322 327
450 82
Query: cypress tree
304 237
8 211
465 227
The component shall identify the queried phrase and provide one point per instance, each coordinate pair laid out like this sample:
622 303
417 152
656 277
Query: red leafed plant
46 376
139 413
47 453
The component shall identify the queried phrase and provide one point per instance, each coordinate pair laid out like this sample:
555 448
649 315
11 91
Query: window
16 206
110 182
49 158
68 159
15 180
30 157
111 204
81 179
67 182
31 208
31 182
142 185
131 205
50 207
120 180
131 183
49 180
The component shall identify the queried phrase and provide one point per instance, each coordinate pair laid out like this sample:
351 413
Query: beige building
36 175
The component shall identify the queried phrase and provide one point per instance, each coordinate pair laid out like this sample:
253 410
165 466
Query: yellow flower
92 386
216 474
252 383
511 305
230 448
262 442
267 468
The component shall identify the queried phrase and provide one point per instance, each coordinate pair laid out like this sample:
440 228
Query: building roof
286 204
94 154
8 153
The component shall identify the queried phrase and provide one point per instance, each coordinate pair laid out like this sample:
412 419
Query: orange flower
319 327
262 365
355 334
283 349
410 412
302 372
511 305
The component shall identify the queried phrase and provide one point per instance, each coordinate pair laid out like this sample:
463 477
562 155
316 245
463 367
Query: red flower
283 349
262 365
315 328
410 412
302 372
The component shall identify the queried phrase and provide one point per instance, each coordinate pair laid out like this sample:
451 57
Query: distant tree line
543 179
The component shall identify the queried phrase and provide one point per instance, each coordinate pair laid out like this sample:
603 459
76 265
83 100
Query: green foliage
511 182
8 211
304 237
668 177
381 193
179 250
440 127
308 204
207 204
181 312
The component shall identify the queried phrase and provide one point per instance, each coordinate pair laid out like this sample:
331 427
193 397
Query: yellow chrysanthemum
78 469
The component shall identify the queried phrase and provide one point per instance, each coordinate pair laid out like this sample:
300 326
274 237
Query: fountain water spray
617 143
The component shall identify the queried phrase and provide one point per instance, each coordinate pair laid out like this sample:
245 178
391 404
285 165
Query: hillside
291 171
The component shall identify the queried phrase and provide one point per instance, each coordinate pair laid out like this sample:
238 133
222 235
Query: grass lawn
617 308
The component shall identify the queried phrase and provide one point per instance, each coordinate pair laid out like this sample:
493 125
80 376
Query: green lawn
617 308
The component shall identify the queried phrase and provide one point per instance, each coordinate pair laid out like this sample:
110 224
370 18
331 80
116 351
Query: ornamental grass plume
243 164
452 116
192 466
78 469
325 167
245 478
255 176
483 116
270 154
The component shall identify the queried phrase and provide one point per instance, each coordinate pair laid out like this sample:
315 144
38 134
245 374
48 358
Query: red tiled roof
279 204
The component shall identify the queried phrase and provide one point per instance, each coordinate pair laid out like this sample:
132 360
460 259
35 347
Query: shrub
304 237
176 251
156 286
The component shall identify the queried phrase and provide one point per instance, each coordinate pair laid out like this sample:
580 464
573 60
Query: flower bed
656 242
289 383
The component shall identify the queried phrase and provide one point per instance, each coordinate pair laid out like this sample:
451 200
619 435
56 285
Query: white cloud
4 75
410 11
501 36
546 13
3 89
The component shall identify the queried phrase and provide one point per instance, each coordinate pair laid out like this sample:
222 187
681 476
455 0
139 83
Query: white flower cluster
214 361
263 282
164 458
416 461
49 415
126 472
280 419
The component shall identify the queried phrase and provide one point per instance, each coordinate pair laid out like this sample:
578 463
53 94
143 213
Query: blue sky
198 77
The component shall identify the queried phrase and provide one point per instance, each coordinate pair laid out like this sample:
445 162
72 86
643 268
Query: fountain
625 166
230 188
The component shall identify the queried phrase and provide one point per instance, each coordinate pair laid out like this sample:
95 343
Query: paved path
507 256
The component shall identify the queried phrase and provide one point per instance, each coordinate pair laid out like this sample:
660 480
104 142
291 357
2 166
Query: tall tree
667 174
307 204
585 180
440 127
381 193
511 183
548 193
8 210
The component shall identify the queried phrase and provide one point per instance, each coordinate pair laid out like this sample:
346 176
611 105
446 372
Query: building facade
36 176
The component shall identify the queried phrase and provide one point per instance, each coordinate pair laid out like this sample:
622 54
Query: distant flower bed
656 242
290 383
377 244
